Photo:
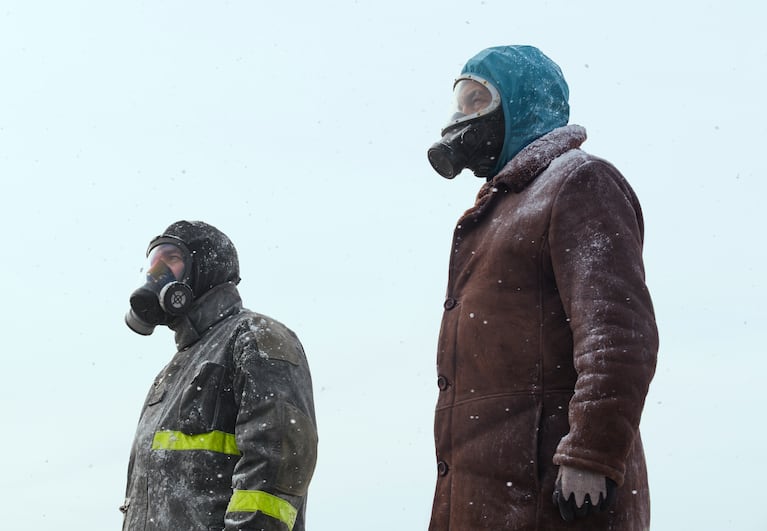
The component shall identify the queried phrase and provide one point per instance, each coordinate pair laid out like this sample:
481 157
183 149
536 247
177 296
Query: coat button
442 383
442 468
450 303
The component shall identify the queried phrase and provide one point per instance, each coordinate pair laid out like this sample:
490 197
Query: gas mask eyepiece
166 293
474 136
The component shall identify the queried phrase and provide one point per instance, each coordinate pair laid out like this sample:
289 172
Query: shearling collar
537 155
214 306
529 164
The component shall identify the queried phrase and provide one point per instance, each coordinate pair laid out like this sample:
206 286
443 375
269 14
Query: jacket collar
537 155
529 164
213 307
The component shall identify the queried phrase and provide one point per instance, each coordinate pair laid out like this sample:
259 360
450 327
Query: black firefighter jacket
227 436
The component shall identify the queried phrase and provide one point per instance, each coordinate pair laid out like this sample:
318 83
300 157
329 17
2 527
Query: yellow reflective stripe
250 501
215 441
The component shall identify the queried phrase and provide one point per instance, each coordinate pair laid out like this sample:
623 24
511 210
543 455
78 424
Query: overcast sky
300 129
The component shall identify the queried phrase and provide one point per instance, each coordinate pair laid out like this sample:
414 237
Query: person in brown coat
548 341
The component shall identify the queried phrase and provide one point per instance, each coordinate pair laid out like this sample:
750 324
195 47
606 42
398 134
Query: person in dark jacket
227 437
548 340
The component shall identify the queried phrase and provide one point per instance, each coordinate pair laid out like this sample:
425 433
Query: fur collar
529 164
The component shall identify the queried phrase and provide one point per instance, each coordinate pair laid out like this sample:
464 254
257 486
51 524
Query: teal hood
534 93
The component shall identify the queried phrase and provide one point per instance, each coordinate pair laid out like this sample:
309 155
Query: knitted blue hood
533 92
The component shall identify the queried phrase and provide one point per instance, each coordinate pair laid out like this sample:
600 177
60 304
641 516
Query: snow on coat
547 345
227 436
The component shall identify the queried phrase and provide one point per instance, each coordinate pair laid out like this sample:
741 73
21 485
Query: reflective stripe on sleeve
250 501
214 441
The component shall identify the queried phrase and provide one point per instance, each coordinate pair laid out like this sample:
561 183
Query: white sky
300 129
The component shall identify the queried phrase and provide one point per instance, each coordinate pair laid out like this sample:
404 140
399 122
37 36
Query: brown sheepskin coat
547 346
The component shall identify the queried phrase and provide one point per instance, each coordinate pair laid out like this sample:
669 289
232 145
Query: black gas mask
167 292
474 137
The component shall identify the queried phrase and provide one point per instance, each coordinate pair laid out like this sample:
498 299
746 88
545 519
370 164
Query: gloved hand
579 492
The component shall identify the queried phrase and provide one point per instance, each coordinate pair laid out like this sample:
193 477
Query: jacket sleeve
595 240
275 430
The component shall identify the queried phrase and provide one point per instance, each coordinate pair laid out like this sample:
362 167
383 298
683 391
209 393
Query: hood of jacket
214 257
534 93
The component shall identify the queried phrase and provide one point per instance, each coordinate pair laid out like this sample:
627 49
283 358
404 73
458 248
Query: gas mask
166 293
474 136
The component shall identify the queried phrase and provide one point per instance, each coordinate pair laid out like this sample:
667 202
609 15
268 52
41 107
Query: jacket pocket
156 393
200 407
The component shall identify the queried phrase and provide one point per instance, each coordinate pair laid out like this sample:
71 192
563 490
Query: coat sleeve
595 240
275 431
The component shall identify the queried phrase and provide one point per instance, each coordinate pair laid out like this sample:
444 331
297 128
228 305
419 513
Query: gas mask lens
473 97
166 259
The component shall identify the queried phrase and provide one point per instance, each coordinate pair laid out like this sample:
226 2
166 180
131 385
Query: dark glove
578 492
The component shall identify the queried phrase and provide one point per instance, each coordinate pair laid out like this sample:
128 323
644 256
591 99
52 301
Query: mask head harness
474 136
167 292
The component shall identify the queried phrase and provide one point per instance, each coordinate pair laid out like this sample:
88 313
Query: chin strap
579 492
